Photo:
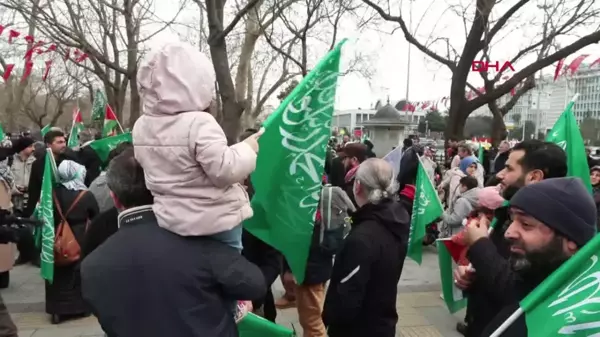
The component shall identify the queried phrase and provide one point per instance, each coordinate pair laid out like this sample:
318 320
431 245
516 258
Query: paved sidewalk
420 309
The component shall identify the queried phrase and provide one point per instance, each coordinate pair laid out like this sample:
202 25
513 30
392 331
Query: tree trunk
498 129
457 119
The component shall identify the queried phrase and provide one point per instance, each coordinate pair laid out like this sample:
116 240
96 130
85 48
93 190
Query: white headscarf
71 175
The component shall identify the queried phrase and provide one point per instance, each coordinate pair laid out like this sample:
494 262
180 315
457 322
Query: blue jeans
232 237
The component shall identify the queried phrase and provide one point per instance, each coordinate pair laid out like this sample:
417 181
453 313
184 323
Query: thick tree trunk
457 118
499 132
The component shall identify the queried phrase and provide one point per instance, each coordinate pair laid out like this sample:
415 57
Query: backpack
335 222
66 248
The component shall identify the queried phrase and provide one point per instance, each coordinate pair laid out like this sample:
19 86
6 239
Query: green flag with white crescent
426 209
566 134
45 213
290 164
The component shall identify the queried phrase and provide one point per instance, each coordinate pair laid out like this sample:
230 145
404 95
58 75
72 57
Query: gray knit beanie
563 204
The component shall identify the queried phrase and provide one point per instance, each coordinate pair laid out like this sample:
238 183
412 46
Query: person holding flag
551 221
361 299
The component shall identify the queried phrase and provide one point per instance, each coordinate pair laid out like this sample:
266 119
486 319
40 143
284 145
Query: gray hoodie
453 218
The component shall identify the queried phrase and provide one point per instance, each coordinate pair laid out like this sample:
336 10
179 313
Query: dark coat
493 287
147 281
63 296
319 262
88 158
34 187
361 299
100 229
269 260
500 161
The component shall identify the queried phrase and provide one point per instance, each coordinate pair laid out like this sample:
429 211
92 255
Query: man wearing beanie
21 170
551 221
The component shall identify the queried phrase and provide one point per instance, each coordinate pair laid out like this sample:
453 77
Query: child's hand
253 140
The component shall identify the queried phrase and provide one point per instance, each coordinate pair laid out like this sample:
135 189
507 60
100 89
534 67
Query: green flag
480 154
45 213
567 303
256 326
111 123
98 106
2 134
566 134
105 145
76 128
289 168
426 209
452 295
45 129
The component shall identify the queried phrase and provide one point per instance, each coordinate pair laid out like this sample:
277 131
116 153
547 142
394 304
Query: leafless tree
111 32
15 88
554 20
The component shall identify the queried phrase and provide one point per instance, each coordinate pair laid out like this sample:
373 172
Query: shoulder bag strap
58 208
75 202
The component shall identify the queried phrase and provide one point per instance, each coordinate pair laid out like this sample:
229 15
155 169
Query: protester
88 157
429 164
491 285
501 157
451 181
352 155
56 142
168 285
407 176
105 224
551 221
452 218
73 202
21 171
195 178
361 299
451 152
370 146
595 179
265 257
590 160
99 188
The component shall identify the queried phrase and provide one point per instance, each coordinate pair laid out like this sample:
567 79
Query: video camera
11 226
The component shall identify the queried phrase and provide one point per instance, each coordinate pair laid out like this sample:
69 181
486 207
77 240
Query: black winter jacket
147 281
361 300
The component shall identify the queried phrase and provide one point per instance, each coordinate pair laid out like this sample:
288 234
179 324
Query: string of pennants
571 69
36 49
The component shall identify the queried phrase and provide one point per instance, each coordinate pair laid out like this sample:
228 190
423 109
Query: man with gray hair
361 299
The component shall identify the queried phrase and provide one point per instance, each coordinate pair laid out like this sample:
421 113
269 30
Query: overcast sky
428 80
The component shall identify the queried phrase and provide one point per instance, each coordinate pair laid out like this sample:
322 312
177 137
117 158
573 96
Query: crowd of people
163 251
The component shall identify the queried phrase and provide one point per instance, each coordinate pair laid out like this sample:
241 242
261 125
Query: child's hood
175 78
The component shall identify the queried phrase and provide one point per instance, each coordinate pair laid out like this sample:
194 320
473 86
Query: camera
11 226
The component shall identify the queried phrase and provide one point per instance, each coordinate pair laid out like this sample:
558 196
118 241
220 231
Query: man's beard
509 191
539 263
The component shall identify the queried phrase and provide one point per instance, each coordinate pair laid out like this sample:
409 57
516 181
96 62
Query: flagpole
511 319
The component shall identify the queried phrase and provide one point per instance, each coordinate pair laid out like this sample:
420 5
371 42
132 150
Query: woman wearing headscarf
63 296
467 166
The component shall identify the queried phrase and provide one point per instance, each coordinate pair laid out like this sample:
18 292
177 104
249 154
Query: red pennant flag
12 34
68 54
82 57
51 48
576 63
29 54
29 39
39 51
27 71
1 29
47 70
9 68
559 67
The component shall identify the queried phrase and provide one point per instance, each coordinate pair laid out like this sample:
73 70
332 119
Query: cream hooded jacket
192 173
